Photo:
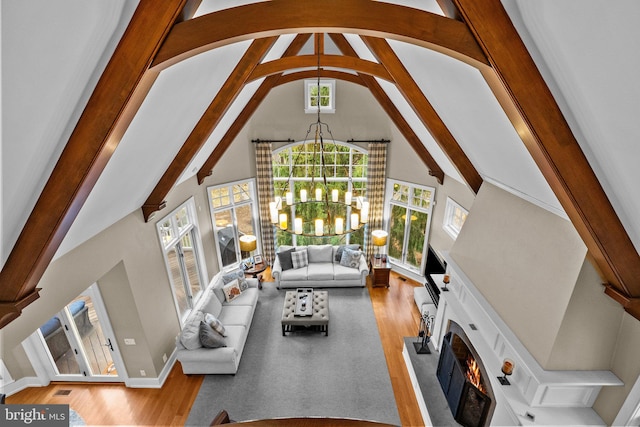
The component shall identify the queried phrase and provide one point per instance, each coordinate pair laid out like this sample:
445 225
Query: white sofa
323 269
235 315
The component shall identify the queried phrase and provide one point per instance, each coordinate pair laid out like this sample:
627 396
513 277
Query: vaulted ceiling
518 93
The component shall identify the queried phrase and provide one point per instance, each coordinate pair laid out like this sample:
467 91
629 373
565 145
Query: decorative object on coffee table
424 333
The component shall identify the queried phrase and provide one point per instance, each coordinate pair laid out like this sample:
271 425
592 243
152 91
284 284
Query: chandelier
318 210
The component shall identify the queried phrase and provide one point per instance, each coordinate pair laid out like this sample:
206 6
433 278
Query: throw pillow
189 336
350 258
299 258
210 338
231 290
320 253
236 274
215 324
341 249
285 259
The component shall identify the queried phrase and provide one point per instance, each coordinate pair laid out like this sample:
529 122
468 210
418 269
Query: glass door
409 212
79 342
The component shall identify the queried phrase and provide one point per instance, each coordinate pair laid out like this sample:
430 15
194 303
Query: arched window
297 166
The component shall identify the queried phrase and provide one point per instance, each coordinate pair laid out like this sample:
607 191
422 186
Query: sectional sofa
326 266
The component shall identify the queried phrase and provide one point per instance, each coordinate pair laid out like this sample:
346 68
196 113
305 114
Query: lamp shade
379 237
248 243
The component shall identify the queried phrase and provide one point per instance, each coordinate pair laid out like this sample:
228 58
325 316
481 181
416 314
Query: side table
379 272
255 270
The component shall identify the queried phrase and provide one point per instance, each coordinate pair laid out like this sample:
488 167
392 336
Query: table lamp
248 244
379 238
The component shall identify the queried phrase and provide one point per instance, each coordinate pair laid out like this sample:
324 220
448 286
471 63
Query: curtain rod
257 141
374 141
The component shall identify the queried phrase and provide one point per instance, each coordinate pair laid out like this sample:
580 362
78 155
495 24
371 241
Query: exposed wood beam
110 109
364 17
449 9
255 101
327 74
306 61
423 108
207 123
393 113
189 10
529 104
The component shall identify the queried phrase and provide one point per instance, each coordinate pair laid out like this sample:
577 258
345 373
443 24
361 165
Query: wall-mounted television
434 264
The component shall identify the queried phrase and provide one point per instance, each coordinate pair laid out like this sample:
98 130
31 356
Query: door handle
109 344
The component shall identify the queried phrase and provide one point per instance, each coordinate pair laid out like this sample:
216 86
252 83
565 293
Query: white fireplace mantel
552 397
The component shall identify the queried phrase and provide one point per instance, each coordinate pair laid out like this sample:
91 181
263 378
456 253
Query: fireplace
462 378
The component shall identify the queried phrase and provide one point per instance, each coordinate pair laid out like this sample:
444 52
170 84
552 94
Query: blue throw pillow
341 249
350 258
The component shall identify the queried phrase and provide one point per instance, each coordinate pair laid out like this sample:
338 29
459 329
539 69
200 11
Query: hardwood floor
113 404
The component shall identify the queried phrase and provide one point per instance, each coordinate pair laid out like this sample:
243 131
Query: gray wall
527 262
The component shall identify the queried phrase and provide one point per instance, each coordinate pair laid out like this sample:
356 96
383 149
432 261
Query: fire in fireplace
460 373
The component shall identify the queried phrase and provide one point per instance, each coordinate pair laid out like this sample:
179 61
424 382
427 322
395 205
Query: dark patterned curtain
264 176
376 174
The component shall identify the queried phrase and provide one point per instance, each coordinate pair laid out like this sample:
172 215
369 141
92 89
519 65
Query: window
409 213
182 249
454 217
233 213
294 168
326 96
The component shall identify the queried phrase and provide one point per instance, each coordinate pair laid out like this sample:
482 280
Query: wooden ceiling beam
425 111
365 17
533 111
393 113
207 123
255 101
308 61
109 111
326 74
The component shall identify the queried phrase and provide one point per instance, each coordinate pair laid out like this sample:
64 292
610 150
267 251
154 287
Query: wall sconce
507 369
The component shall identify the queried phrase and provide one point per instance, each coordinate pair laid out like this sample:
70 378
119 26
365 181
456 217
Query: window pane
177 281
421 198
191 263
241 193
93 339
396 231
182 218
166 231
417 230
225 233
245 220
220 197
400 193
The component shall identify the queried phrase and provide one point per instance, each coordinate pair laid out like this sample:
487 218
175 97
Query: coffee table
317 321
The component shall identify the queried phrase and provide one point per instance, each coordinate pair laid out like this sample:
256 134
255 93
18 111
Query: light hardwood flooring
112 404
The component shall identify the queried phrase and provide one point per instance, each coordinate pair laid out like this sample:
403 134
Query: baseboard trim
154 382
23 384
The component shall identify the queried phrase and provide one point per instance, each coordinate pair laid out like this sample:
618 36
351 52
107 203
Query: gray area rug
305 373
